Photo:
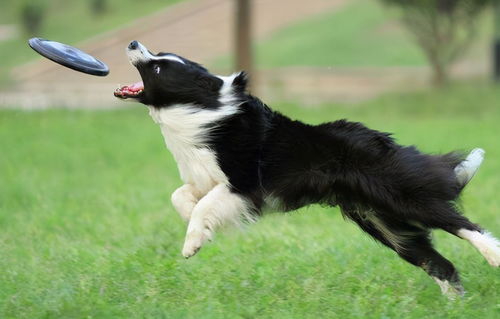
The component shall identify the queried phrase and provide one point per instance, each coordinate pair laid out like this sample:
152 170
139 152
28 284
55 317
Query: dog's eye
156 68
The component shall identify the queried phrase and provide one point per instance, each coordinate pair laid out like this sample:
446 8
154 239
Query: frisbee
69 56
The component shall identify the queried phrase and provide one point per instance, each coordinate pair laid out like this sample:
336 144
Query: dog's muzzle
137 53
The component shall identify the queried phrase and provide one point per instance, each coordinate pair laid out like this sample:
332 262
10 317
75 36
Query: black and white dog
238 158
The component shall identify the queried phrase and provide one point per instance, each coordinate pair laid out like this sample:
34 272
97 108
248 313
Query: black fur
275 161
269 156
168 87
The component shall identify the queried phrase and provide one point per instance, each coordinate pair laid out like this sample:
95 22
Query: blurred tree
98 7
442 28
32 14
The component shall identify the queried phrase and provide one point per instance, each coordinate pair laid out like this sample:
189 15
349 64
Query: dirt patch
200 30
7 32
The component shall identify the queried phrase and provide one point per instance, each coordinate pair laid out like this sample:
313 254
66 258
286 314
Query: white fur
184 199
205 200
219 207
142 54
448 289
226 92
468 168
183 129
227 88
487 245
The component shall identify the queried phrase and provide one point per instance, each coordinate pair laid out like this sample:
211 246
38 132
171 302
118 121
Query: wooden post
243 41
496 44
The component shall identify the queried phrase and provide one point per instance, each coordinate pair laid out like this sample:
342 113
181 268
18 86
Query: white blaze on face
142 54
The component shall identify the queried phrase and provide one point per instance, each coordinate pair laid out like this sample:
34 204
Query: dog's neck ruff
186 130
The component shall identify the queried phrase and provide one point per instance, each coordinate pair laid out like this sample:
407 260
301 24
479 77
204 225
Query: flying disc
69 56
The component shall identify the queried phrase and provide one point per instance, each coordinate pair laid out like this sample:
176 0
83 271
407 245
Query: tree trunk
496 44
439 72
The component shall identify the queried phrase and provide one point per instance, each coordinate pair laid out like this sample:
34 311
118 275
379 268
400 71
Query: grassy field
68 21
364 33
87 229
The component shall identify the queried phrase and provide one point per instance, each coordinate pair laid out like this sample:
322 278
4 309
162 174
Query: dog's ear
240 82
210 83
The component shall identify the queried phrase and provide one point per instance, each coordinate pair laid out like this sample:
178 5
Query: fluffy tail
466 170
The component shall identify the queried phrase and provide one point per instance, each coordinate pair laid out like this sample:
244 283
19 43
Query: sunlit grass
363 33
87 228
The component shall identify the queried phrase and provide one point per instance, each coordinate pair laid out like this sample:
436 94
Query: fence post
243 41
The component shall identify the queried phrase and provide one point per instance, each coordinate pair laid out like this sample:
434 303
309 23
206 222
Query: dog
238 159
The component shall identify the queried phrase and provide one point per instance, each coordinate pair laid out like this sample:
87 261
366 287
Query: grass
87 229
68 22
363 33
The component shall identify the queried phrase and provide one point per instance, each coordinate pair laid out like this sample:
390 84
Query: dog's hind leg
449 219
219 207
483 241
419 252
413 245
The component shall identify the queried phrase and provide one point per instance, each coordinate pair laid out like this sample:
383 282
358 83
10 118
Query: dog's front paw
194 240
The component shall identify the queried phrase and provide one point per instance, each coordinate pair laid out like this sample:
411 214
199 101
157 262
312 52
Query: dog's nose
133 45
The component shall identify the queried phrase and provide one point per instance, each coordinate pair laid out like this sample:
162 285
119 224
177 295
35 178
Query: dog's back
237 157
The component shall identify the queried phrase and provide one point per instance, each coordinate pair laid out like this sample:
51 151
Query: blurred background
314 51
86 224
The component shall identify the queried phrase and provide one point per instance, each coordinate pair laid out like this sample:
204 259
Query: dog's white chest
184 132
197 166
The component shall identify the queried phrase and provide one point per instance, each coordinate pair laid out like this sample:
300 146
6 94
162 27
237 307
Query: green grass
87 229
69 21
363 33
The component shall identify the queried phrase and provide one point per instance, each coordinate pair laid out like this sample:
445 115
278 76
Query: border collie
238 158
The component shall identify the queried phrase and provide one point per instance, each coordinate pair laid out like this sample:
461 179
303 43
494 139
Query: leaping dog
238 158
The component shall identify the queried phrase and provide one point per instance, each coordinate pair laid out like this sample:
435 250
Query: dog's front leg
185 199
219 207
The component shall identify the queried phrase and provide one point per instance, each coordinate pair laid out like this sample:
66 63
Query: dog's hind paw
492 255
451 290
487 245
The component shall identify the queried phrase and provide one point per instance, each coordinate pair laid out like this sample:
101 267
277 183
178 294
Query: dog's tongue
136 86
131 90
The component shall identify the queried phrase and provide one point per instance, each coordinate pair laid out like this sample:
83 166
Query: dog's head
168 79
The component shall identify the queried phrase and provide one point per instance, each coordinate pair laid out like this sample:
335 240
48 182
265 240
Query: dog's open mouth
130 91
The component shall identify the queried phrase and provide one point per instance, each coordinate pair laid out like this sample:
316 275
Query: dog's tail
466 169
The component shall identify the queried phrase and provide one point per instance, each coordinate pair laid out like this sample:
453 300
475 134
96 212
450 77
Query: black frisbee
69 56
